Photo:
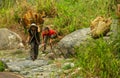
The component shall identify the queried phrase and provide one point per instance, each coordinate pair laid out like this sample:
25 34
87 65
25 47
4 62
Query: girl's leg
36 51
45 42
51 43
32 51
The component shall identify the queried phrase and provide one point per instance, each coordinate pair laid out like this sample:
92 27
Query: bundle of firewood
100 26
32 17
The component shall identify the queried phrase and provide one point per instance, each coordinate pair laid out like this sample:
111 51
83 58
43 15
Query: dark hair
46 28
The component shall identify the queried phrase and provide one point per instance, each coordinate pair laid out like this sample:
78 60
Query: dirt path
9 75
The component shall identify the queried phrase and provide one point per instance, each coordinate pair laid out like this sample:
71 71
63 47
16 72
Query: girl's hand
26 41
43 44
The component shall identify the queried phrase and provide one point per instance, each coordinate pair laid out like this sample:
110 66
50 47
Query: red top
51 32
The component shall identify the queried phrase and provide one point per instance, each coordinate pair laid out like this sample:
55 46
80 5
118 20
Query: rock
21 65
75 38
51 56
40 69
66 46
15 68
24 72
9 39
68 65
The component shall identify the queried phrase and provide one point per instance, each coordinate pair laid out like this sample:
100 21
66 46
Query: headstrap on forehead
33 24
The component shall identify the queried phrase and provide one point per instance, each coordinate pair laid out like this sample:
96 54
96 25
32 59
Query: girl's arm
38 29
42 38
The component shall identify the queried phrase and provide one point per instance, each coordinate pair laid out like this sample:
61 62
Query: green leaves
2 66
97 60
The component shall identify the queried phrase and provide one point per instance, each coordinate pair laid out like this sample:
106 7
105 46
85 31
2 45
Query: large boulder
9 39
65 47
75 38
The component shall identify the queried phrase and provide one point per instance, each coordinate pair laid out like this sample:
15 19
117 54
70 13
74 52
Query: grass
68 15
76 14
2 66
97 60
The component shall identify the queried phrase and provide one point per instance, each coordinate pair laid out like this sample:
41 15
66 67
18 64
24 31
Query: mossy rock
2 66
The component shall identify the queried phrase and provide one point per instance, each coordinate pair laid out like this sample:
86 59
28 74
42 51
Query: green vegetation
97 60
116 41
2 66
74 14
69 15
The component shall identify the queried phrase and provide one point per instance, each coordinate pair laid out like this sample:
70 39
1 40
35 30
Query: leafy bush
97 60
2 66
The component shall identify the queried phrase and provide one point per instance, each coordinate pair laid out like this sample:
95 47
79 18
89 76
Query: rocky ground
18 62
